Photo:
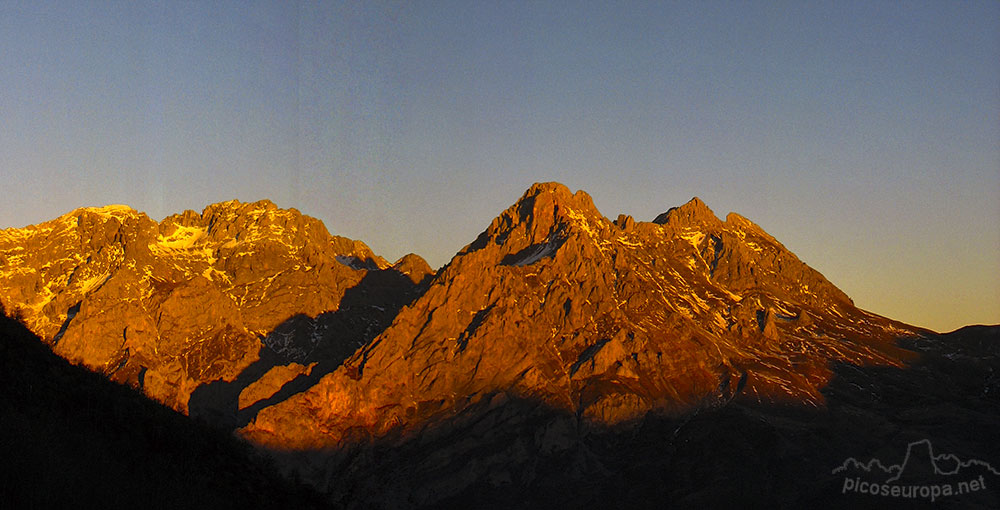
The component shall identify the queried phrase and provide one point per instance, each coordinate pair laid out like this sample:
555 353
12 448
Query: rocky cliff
557 321
606 320
193 299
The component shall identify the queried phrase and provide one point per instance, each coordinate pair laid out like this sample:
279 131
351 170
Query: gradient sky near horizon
865 136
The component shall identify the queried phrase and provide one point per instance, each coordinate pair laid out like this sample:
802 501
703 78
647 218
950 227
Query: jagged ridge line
866 466
961 464
898 468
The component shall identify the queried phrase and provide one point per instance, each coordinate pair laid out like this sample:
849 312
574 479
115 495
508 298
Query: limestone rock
414 267
692 214
606 321
193 299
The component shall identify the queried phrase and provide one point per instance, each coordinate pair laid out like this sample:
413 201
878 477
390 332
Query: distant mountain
559 358
174 305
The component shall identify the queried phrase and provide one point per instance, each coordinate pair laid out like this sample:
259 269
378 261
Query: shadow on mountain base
70 438
328 339
509 452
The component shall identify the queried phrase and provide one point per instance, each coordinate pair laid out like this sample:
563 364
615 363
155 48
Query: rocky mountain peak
692 214
112 220
538 224
193 299
248 220
237 207
85 220
605 321
547 205
356 254
414 266
111 210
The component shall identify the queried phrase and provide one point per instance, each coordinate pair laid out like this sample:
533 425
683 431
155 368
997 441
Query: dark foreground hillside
69 438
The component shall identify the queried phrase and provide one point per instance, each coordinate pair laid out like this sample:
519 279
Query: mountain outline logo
921 474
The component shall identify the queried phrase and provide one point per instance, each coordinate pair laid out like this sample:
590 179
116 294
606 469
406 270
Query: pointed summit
693 213
540 220
548 187
553 200
414 266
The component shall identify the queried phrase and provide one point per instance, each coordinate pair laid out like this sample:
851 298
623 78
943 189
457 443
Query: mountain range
560 358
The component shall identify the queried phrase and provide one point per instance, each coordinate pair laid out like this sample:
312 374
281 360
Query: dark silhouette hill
70 438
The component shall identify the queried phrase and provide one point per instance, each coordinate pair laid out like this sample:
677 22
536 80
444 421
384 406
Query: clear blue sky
863 135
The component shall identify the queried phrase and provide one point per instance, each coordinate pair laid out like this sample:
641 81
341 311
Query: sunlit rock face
608 320
173 305
560 351
598 322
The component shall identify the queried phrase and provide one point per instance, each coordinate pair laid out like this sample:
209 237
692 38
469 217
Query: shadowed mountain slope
71 438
